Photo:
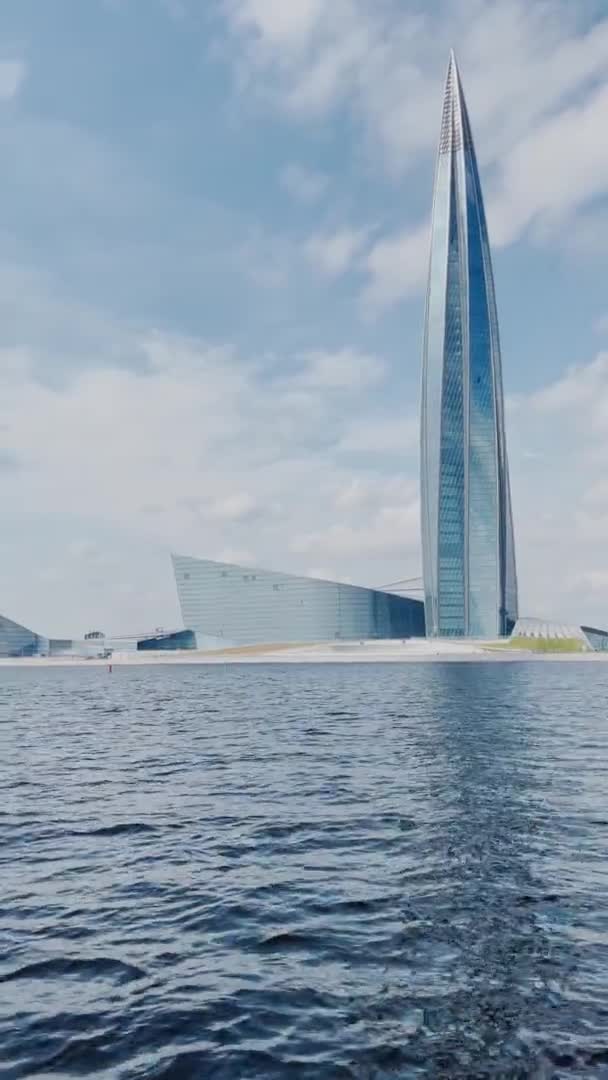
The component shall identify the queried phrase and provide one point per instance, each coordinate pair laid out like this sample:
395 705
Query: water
317 872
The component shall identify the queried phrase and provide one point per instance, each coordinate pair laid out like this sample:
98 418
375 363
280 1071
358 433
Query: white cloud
521 61
597 494
371 491
586 235
151 442
593 580
397 266
314 54
393 529
553 170
346 369
535 79
238 507
329 574
333 253
382 435
356 493
12 75
581 393
201 451
87 550
191 448
303 184
560 498
543 182
240 556
275 22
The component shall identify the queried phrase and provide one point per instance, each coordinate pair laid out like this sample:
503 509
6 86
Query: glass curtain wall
467 531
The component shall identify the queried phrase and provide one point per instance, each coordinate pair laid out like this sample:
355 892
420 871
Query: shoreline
371 652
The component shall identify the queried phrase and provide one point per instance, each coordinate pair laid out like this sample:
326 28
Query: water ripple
308 873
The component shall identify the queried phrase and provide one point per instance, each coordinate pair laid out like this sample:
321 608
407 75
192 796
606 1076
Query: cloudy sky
213 244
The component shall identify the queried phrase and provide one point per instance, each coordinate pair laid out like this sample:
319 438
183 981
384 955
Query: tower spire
451 125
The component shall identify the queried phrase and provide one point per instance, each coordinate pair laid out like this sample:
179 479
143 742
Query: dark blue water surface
357 871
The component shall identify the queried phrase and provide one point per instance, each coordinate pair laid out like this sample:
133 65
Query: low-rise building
229 605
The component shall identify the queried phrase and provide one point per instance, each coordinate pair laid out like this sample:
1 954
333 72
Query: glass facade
227 605
468 550
598 639
176 639
16 640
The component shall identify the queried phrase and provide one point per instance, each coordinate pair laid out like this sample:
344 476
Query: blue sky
214 226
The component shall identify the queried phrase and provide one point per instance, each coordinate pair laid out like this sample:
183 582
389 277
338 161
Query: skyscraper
468 553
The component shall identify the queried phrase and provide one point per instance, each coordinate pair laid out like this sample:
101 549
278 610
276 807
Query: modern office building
17 640
228 605
468 553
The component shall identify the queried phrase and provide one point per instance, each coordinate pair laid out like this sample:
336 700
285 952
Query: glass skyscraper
470 581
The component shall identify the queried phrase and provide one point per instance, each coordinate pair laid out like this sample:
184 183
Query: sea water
320 872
